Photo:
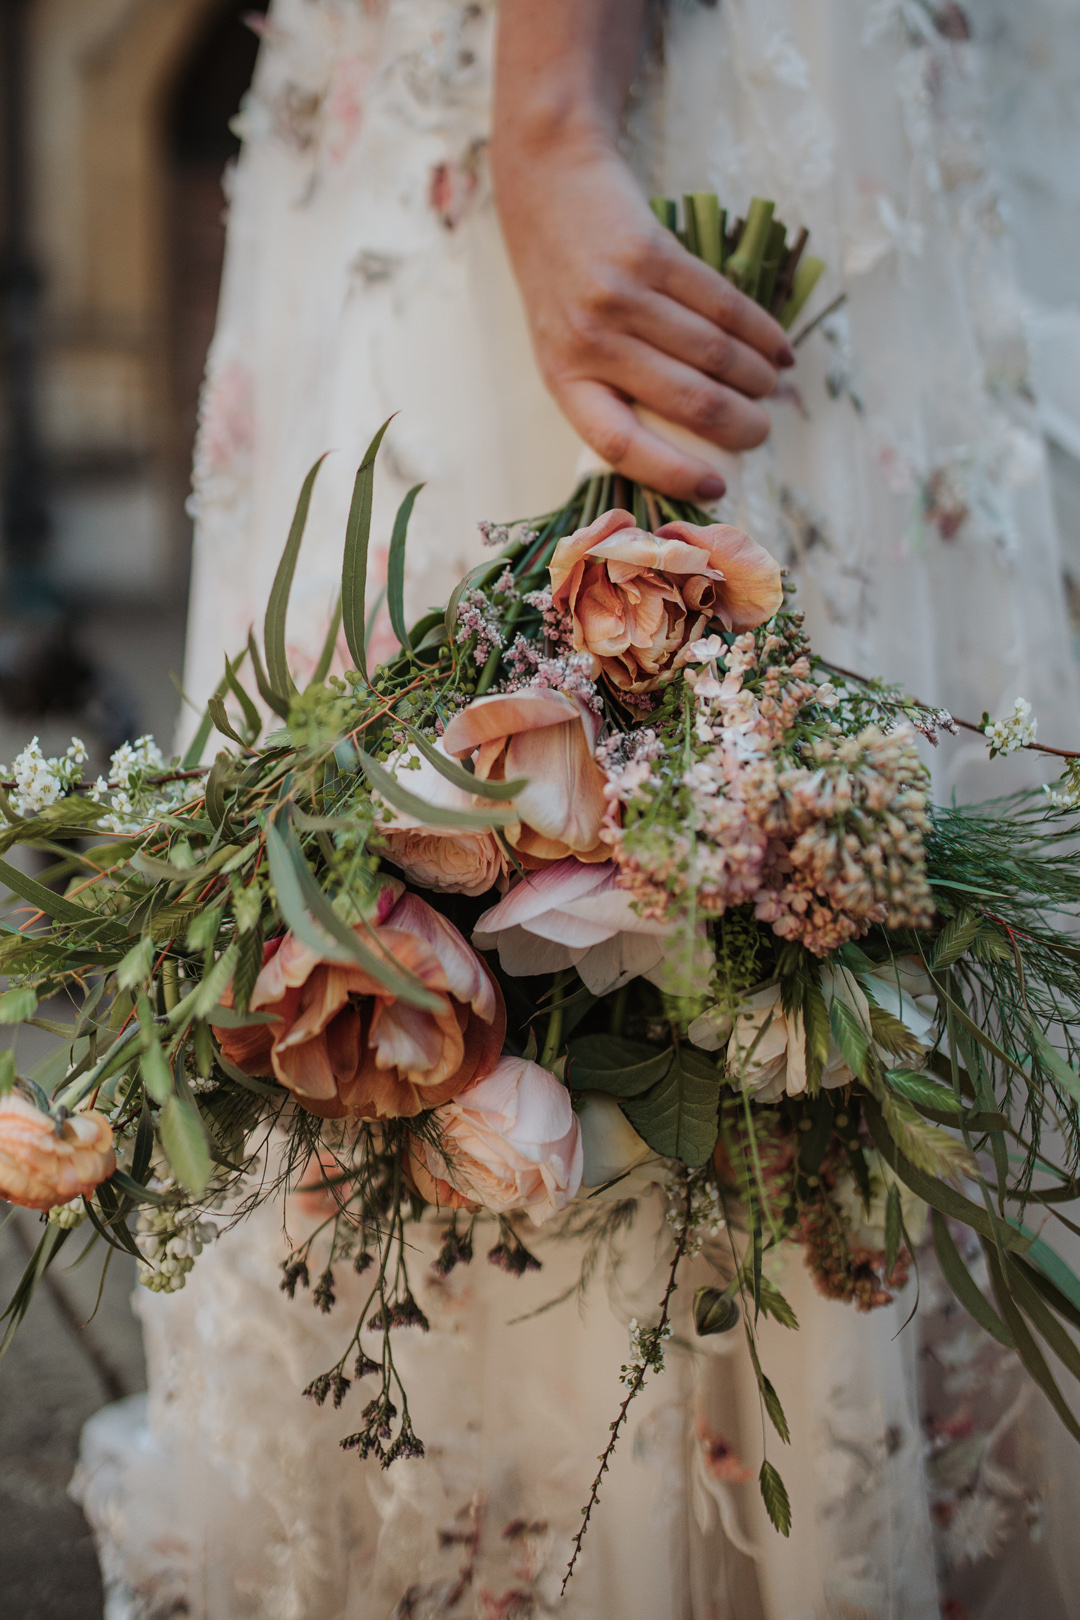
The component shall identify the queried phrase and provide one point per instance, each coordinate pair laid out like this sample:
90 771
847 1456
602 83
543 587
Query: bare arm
619 311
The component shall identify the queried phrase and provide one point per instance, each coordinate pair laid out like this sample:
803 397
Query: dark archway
200 143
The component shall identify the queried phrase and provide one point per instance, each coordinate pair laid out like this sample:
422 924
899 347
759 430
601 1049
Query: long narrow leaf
277 663
277 701
963 1284
354 572
395 568
390 788
313 920
252 717
460 777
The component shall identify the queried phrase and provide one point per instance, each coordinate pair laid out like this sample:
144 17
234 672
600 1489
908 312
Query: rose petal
571 550
504 714
751 591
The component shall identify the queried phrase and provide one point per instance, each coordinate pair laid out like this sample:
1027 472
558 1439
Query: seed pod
714 1312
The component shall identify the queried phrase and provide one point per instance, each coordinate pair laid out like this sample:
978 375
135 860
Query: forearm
562 72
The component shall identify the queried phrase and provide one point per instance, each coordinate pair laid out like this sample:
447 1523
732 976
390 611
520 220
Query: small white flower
1013 730
705 650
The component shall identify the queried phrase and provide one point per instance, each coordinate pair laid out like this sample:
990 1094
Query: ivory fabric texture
906 486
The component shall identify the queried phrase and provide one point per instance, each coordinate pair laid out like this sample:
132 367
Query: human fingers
683 395
691 282
689 337
606 423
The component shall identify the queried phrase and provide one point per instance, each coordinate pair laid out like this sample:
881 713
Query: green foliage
775 1497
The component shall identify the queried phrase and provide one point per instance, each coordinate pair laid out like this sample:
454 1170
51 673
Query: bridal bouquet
603 887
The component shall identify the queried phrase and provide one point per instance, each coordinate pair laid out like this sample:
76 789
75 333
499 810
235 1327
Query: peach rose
347 1046
549 739
510 1142
42 1165
570 915
636 599
450 860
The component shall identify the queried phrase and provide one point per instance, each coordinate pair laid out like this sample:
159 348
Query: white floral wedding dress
906 486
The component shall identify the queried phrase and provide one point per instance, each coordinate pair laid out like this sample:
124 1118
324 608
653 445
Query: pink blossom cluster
822 833
476 617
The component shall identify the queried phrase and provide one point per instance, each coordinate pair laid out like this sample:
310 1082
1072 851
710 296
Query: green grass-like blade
395 568
277 663
354 570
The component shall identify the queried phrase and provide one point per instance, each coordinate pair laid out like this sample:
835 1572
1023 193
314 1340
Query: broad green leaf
963 1284
955 938
202 1001
354 571
460 777
16 1006
678 1115
775 1498
134 970
1059 1275
156 1073
395 568
389 787
620 1067
920 1089
183 1136
277 663
221 720
7 1071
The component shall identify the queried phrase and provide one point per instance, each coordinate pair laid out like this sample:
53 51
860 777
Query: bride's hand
619 310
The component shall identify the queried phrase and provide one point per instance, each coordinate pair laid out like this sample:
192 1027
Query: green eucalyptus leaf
354 571
184 1138
389 787
277 662
395 568
460 777
16 1006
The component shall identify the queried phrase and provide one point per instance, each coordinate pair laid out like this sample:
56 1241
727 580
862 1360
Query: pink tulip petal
566 929
465 975
555 885
502 715
618 960
564 799
524 955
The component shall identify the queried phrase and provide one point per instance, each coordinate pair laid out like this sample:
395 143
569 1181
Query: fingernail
786 356
711 488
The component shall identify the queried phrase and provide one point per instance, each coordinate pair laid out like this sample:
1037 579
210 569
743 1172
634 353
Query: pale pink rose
549 739
511 1142
637 599
450 860
570 915
42 1165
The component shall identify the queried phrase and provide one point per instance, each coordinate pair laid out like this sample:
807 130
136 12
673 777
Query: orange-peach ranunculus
345 1046
636 599
42 1166
450 860
547 738
509 1142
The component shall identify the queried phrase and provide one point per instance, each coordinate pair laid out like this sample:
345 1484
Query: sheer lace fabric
906 485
